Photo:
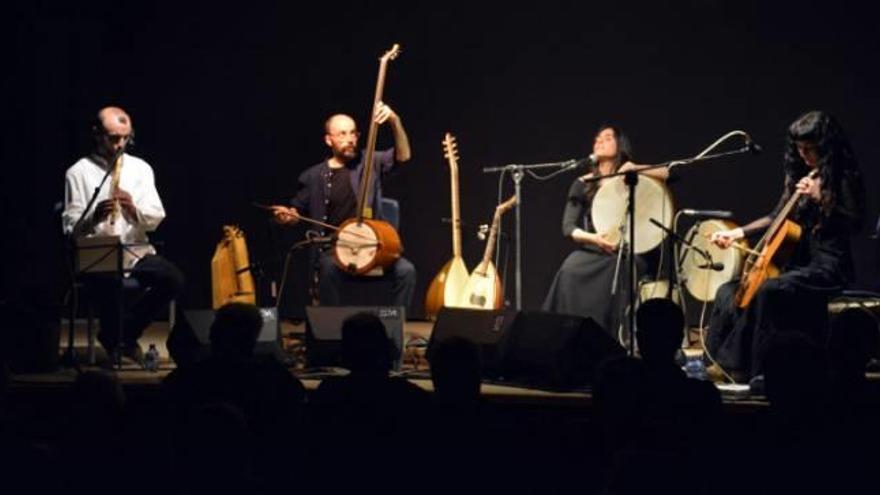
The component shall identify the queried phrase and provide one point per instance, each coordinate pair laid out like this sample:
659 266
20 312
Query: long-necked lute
365 244
447 287
483 289
772 251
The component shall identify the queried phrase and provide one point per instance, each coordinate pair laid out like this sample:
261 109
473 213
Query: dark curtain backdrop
228 103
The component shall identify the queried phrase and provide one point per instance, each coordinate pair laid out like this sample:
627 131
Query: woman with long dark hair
830 210
582 286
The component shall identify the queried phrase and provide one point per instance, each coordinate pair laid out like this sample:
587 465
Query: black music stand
101 256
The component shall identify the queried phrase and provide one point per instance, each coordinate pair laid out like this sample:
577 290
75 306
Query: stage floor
414 368
415 333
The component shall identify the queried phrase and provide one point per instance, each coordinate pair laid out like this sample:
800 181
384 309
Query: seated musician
830 210
582 286
328 192
130 210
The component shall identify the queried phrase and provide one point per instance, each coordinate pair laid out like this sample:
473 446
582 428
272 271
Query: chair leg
70 299
172 314
314 287
90 335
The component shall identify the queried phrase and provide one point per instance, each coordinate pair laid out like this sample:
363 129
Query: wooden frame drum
652 201
703 283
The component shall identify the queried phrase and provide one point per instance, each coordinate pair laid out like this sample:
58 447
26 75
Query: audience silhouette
674 397
239 422
362 420
270 398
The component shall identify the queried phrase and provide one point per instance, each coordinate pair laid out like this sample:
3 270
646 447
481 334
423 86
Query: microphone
707 213
592 160
716 265
752 146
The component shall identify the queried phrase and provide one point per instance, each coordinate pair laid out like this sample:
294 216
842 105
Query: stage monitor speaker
484 328
189 340
324 331
553 350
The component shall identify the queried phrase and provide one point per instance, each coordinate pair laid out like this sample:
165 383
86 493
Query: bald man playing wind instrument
127 206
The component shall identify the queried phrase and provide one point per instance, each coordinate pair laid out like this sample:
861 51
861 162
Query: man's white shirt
136 178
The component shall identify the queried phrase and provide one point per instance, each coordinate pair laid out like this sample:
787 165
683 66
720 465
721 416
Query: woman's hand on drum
630 166
606 242
285 215
724 238
661 173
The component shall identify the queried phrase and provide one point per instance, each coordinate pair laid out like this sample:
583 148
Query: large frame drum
652 201
702 282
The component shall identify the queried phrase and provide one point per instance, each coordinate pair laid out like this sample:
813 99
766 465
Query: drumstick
745 249
737 246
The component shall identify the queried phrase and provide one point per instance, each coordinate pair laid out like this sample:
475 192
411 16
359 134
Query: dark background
228 103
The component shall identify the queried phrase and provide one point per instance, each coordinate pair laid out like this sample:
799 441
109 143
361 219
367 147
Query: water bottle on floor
151 359
696 368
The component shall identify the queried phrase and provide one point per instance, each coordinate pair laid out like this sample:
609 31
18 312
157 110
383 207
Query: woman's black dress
582 286
797 300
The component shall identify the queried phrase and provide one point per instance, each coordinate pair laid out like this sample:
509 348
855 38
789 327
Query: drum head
356 246
702 282
652 201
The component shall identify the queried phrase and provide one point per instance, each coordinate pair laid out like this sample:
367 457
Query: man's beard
104 154
346 154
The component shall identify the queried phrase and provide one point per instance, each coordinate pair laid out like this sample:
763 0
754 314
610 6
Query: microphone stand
78 225
69 358
631 179
516 172
702 158
309 241
681 240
